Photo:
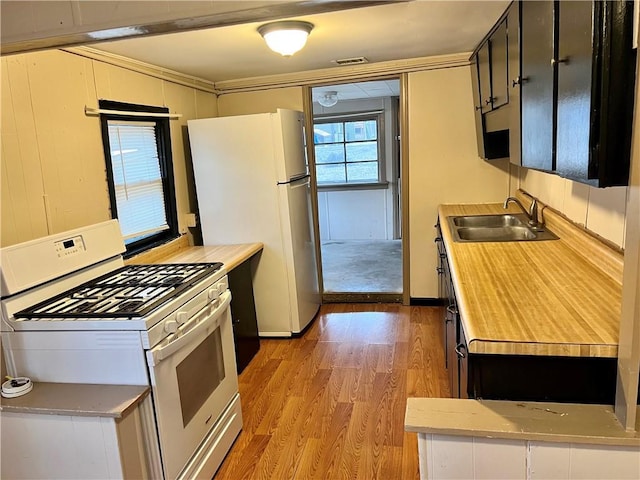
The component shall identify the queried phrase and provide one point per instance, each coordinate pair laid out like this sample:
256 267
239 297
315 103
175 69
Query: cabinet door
452 359
477 105
537 84
499 67
484 69
513 47
575 83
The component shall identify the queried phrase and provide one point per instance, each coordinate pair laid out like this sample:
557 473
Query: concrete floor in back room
362 266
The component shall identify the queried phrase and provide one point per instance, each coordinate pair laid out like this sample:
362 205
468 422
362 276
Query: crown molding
295 79
342 73
144 68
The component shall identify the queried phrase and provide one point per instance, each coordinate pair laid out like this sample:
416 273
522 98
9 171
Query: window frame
165 160
378 117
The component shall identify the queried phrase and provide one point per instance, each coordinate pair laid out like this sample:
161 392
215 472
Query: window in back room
137 146
347 150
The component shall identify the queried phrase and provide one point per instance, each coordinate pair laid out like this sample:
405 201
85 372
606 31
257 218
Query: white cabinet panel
496 459
604 462
549 461
451 458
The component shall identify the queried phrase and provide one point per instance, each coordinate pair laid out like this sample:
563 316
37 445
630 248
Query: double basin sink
497 228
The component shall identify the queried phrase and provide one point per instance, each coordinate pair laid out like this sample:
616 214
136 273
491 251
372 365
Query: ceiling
414 29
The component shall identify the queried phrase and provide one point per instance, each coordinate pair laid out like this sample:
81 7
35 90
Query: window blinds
137 179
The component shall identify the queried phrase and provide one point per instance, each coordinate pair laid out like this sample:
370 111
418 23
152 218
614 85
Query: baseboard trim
426 302
361 298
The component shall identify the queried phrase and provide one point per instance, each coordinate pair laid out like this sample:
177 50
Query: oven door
193 374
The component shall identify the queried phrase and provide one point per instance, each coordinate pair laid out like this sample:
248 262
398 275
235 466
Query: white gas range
74 313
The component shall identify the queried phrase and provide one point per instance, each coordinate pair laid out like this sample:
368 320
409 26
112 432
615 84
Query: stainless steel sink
497 228
489 221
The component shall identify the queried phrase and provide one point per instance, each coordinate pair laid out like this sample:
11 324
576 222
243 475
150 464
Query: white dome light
328 99
287 37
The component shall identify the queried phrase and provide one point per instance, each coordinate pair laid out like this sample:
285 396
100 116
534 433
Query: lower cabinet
243 314
517 377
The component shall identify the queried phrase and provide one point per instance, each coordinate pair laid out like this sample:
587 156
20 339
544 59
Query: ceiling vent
351 61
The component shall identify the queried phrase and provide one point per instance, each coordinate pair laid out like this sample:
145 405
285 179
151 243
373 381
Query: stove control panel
70 246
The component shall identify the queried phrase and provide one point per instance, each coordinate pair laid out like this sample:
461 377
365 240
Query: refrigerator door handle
295 178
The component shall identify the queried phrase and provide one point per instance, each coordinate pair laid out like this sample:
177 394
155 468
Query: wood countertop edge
230 255
78 400
547 422
475 342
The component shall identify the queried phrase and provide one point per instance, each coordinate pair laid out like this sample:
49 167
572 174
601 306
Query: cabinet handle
437 239
488 101
452 309
440 270
459 351
555 61
478 107
515 82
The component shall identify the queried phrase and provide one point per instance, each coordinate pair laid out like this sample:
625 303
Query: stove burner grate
131 291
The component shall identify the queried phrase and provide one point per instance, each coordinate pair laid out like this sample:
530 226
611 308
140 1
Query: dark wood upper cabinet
513 83
537 85
570 80
489 71
595 87
499 67
484 74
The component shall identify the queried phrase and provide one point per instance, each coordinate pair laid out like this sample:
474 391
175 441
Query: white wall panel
443 164
607 207
495 459
451 458
601 210
53 166
354 215
590 462
122 85
465 457
576 201
23 212
181 99
260 102
70 142
549 461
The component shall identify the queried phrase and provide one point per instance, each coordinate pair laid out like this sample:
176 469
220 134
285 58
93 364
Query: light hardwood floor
331 404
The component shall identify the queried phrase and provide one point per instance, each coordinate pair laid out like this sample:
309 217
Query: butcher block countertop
78 400
230 255
181 252
556 298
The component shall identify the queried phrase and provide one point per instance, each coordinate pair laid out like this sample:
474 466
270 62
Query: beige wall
443 164
53 167
601 210
262 101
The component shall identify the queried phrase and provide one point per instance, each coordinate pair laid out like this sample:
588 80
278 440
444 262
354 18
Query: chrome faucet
532 213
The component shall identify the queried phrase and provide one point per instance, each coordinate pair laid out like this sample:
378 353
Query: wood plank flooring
330 404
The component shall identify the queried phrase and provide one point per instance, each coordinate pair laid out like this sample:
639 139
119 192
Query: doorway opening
357 163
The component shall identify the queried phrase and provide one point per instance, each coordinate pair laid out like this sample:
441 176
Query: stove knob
181 317
213 292
170 326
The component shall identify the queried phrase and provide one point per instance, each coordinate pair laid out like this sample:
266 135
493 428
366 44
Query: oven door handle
193 327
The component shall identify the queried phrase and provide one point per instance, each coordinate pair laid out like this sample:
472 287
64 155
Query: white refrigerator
252 185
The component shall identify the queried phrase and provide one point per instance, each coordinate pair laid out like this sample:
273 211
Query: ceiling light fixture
328 99
286 37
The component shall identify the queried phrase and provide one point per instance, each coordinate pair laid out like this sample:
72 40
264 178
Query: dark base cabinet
523 378
541 378
243 314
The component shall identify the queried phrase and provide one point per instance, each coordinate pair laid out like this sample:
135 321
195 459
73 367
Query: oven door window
195 382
